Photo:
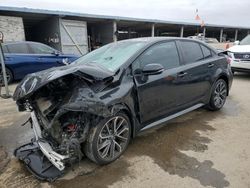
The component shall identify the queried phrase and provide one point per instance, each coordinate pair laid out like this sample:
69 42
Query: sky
221 12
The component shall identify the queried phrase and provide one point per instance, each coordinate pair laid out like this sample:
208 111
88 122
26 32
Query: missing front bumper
39 156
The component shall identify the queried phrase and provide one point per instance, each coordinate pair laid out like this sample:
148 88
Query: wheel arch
121 107
12 72
225 78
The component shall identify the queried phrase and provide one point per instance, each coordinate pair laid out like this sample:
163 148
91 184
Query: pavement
199 149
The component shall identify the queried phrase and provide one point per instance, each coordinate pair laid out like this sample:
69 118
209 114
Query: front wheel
109 139
219 95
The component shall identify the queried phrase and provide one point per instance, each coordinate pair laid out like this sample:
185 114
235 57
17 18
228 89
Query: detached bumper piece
37 163
39 157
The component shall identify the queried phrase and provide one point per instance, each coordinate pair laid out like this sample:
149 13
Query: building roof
107 17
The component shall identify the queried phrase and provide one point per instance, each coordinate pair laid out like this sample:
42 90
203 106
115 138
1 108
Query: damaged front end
62 111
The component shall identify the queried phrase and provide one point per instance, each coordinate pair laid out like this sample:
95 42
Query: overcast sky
225 12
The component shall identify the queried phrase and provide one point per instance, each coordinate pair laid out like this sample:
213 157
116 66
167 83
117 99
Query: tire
9 76
218 95
105 144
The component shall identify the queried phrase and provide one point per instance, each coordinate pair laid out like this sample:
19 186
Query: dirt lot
199 149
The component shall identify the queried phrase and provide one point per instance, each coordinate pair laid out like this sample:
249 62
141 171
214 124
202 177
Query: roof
96 16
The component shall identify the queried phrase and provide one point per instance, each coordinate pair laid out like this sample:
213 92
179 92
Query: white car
239 55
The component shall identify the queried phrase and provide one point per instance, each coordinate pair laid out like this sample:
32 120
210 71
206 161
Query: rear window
191 51
206 51
20 48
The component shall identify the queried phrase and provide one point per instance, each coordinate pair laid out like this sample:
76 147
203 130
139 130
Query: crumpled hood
239 49
34 81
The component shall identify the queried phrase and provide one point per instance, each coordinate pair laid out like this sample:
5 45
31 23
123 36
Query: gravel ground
200 149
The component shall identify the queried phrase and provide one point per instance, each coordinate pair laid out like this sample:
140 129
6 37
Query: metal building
79 33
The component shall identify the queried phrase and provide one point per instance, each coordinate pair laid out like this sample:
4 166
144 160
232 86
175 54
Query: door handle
210 65
182 74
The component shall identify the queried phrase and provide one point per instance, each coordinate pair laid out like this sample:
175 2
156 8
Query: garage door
73 37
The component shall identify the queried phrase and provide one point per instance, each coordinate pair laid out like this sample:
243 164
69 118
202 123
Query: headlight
230 54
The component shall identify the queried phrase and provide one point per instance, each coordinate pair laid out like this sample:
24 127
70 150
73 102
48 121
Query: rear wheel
109 139
9 76
218 96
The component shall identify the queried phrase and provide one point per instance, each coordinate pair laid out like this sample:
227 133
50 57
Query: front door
157 93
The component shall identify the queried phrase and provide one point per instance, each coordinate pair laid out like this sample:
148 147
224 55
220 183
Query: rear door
18 58
157 93
195 82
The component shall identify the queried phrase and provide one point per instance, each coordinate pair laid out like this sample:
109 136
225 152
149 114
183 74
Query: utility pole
7 94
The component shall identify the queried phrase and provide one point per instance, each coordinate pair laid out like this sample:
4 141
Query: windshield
245 41
113 55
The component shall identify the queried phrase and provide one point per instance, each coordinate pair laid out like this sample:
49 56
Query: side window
20 48
37 48
206 52
191 51
165 54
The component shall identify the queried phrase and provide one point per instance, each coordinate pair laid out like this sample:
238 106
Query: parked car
105 98
22 58
240 55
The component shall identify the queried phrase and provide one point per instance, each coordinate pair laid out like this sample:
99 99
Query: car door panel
196 84
22 64
157 93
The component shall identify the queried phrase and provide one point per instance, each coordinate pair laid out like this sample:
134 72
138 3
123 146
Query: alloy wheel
113 138
220 94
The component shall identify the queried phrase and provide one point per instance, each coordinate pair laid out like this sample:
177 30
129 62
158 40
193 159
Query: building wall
50 34
12 28
104 33
73 35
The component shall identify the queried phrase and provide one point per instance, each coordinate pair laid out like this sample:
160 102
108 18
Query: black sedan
94 106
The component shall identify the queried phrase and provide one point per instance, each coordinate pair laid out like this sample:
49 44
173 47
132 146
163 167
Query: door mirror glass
152 69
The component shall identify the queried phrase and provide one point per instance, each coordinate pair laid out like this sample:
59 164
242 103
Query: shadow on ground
164 146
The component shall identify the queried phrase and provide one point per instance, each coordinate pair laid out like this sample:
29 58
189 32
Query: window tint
206 52
165 54
20 48
37 48
191 51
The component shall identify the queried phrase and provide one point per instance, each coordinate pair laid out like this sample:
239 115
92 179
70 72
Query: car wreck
94 106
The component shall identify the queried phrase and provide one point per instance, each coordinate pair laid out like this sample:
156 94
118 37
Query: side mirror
237 42
152 69
56 53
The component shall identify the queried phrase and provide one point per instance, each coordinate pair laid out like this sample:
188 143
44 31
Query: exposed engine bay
61 121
